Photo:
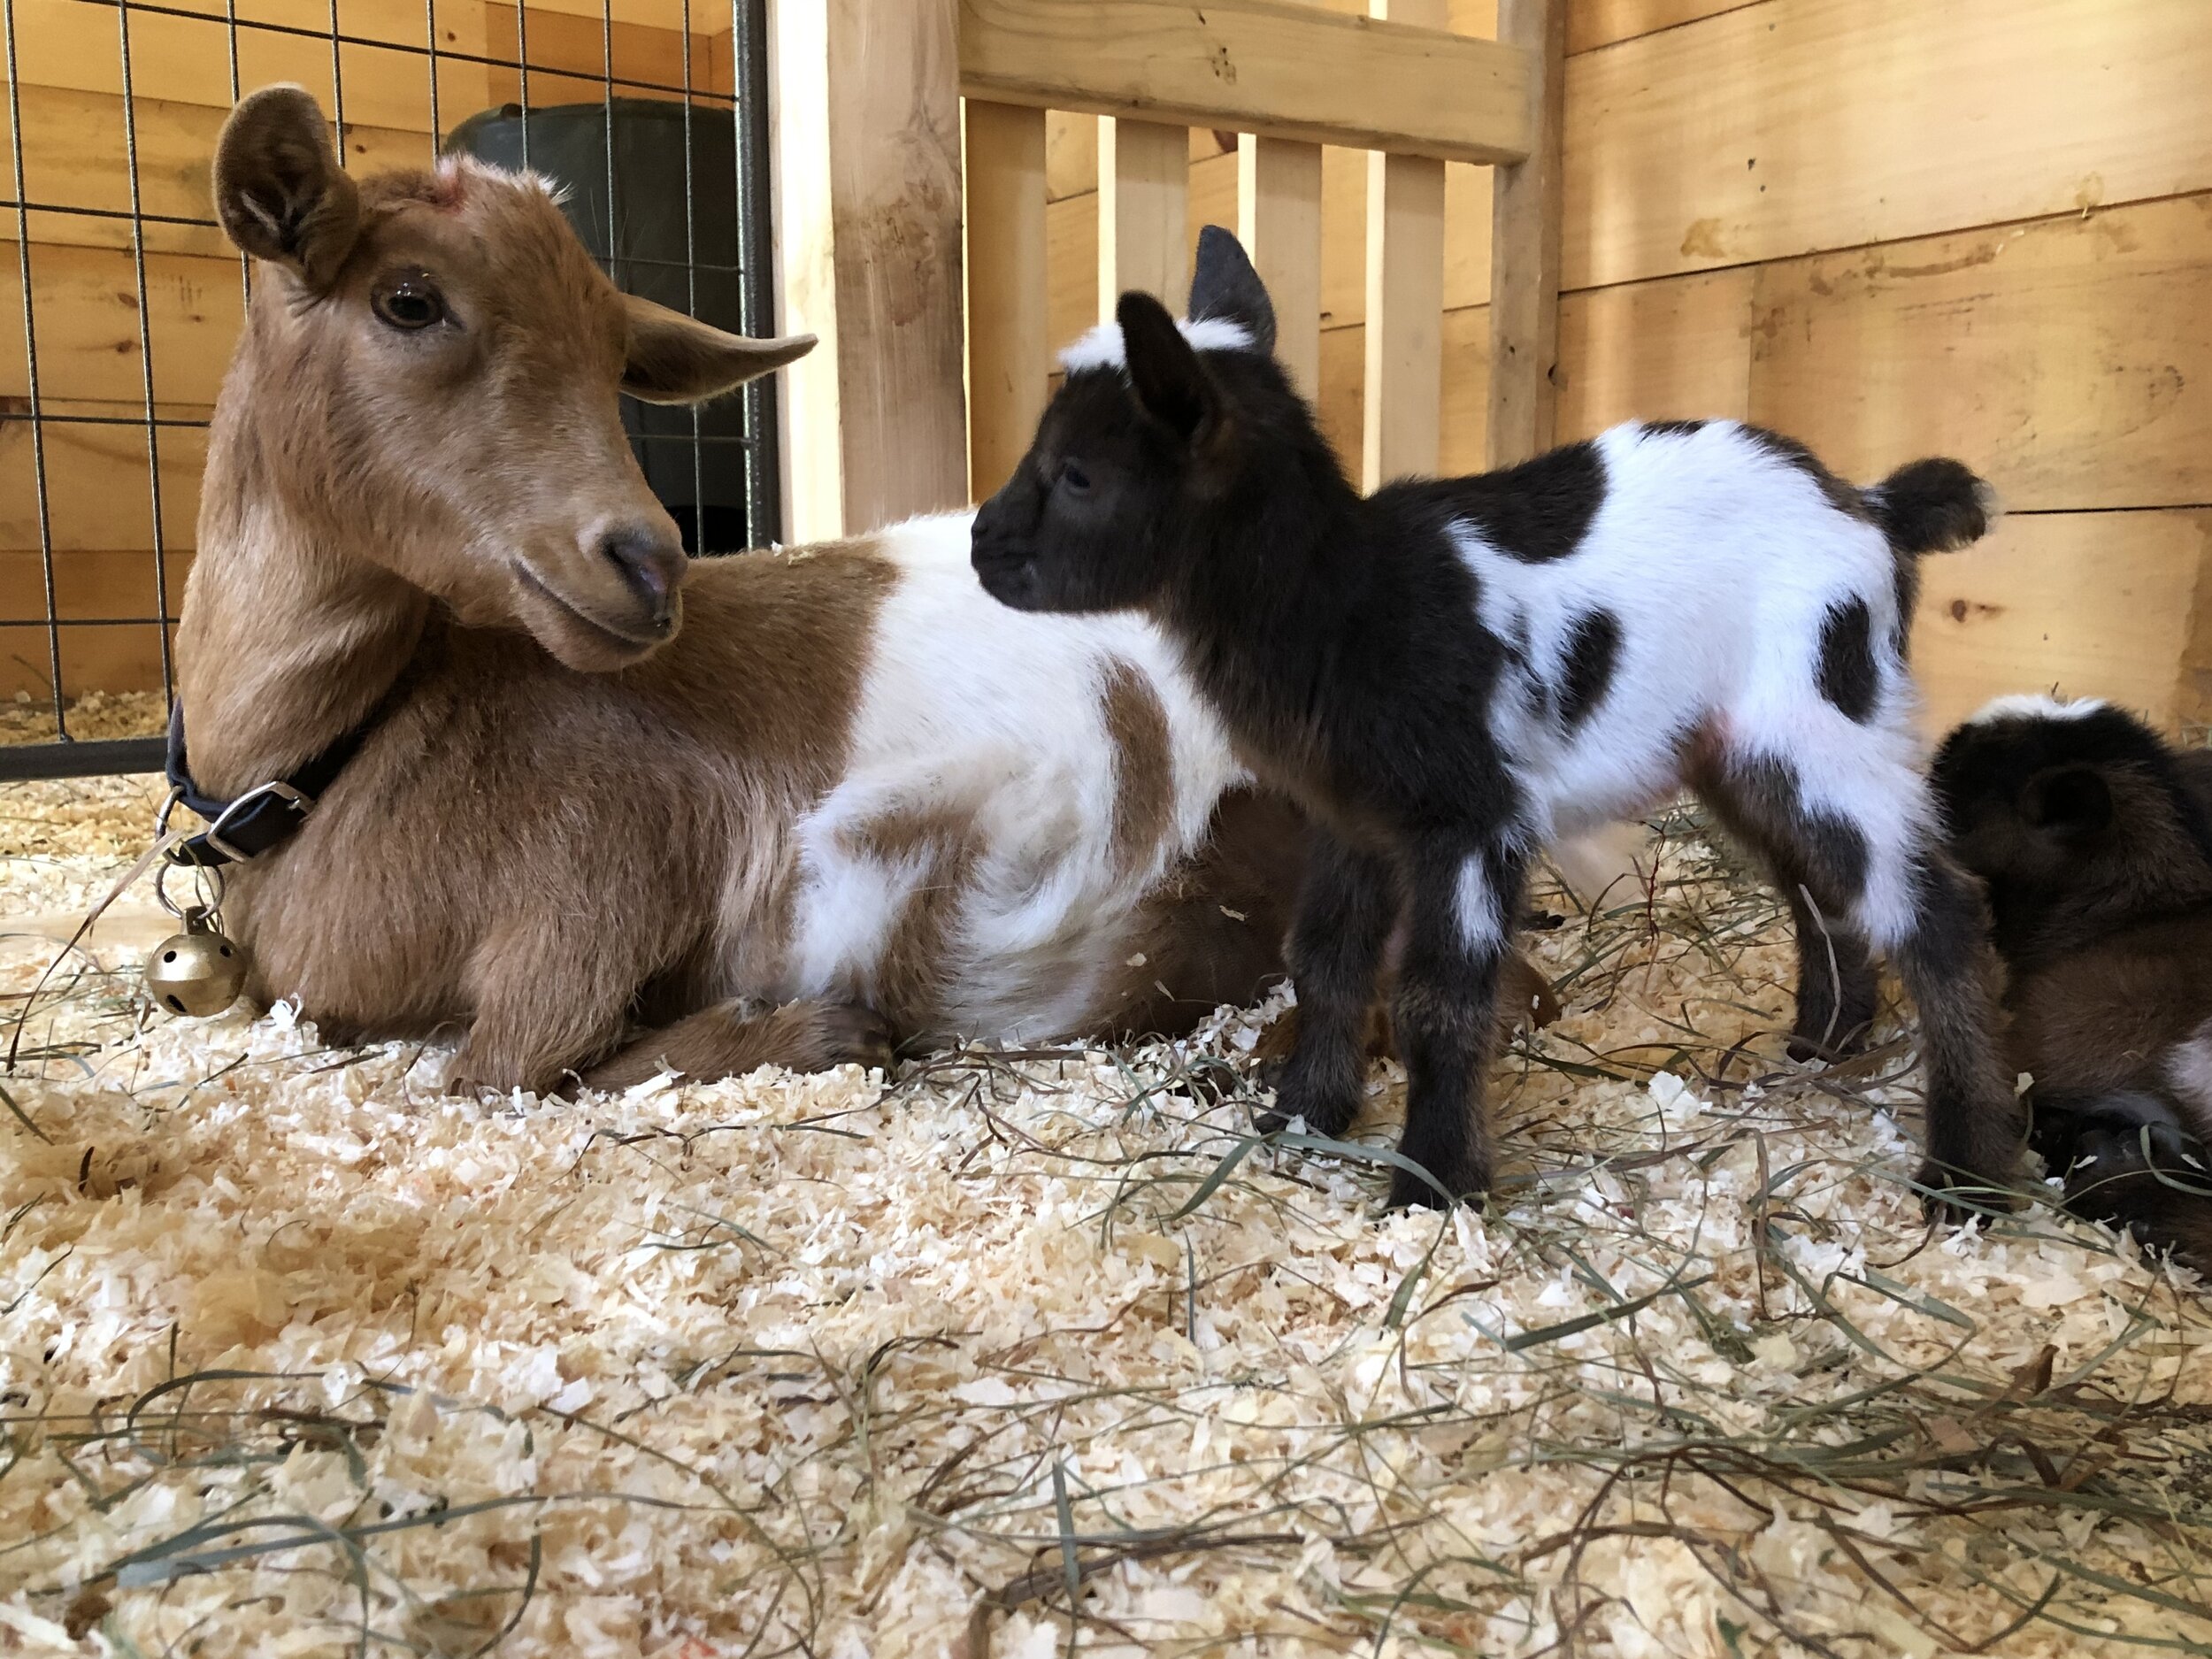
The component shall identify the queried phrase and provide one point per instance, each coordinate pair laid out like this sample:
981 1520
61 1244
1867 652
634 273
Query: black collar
266 816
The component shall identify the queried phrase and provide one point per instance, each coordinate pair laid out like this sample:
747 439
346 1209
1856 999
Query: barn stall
1030 1352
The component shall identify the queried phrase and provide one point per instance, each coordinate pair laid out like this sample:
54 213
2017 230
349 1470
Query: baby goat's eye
409 301
1075 478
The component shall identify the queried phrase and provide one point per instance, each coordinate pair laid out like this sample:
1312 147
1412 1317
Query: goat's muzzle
651 566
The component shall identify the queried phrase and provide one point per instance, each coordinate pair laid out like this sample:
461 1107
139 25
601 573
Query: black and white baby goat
1453 671
2096 839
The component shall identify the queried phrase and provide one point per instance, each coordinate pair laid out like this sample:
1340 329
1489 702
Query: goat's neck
286 644
1268 613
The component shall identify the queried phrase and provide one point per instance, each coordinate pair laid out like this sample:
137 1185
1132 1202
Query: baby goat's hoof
1955 1198
1409 1191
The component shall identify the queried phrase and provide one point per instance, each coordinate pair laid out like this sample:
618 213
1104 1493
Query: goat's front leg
1463 901
1346 911
546 1002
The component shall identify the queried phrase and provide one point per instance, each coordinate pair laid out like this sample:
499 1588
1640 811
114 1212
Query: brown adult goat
613 810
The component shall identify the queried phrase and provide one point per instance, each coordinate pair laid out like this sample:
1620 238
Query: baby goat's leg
1835 977
1346 911
1463 902
1836 994
1888 877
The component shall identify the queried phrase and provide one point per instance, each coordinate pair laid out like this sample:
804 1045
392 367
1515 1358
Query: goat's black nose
651 565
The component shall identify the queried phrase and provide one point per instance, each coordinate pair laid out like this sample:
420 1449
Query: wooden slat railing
1290 77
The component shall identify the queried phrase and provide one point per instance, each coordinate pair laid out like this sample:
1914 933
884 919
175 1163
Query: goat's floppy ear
1223 285
280 193
1169 383
676 359
2073 800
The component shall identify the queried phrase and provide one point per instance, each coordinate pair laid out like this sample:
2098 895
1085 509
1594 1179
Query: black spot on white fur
1591 650
1536 512
1848 675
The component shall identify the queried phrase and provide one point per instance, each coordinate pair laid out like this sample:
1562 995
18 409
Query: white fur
2033 706
2189 1070
1103 347
1720 561
969 707
1475 907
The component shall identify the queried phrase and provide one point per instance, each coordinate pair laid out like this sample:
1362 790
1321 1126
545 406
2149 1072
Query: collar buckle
276 789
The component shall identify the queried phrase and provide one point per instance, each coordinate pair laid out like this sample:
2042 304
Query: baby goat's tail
1933 506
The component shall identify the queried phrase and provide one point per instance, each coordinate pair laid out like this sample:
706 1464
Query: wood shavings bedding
1025 1355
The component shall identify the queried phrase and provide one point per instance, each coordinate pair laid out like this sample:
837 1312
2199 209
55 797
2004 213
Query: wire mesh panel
652 114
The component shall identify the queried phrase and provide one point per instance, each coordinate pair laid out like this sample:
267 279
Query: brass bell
197 971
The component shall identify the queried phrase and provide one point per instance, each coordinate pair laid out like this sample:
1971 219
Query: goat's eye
409 303
1075 478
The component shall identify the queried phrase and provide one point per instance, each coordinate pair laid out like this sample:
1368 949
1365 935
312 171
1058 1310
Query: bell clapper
198 972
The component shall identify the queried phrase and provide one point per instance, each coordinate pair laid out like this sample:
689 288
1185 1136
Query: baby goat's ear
1223 285
1171 384
280 193
2072 799
675 359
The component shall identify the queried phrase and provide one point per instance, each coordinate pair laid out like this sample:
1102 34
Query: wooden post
1278 221
1144 202
1525 245
1402 413
1009 348
867 161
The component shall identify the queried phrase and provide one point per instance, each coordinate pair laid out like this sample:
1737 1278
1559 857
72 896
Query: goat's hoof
1322 1116
1409 1191
844 1033
1955 1198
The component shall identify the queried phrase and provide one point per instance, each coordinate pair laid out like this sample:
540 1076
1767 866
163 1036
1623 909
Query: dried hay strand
1022 1354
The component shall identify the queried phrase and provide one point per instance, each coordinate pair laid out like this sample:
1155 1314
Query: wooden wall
92 357
1888 227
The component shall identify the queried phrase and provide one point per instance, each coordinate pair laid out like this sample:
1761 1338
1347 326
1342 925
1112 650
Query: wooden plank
86 310
1525 246
1008 353
2090 604
98 491
2071 360
1143 212
1753 135
1465 367
73 156
867 156
569 59
1676 348
1401 413
1283 70
1595 23
70 44
1278 221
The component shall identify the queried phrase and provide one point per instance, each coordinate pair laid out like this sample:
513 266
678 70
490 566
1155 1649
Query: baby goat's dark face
1079 526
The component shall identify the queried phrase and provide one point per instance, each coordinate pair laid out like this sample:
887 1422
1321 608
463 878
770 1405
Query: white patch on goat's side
2189 1071
995 718
2033 706
1102 347
1720 559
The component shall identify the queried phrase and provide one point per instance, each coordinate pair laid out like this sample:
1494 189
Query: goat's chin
577 640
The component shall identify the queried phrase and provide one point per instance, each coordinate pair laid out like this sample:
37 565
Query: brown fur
2096 842
1144 774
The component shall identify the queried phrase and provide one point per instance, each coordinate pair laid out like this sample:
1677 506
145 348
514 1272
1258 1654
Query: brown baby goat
2096 839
